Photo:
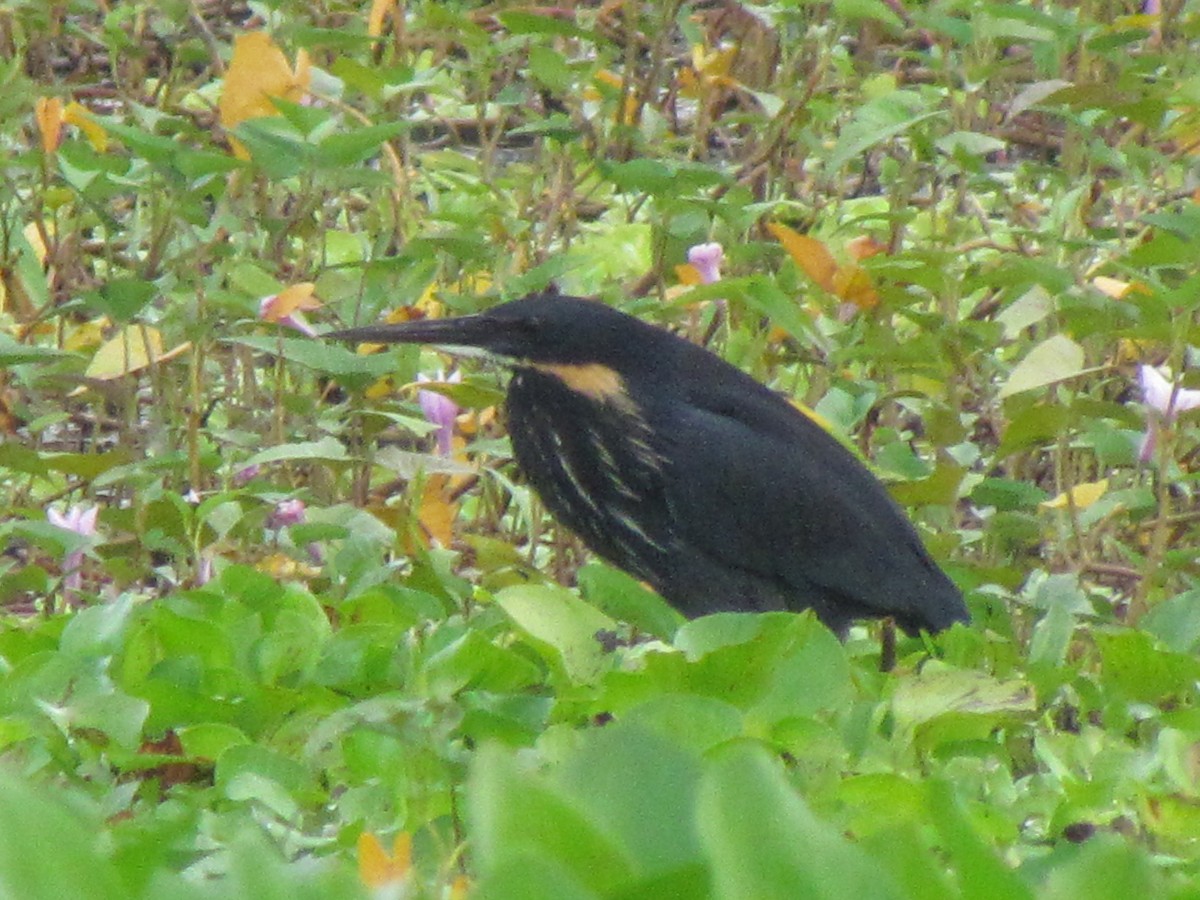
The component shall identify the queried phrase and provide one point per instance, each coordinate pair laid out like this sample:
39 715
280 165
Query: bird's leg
887 645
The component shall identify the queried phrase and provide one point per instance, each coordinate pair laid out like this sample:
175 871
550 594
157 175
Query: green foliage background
230 697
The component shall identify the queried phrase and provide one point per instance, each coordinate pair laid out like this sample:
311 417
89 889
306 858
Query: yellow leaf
49 114
33 235
78 115
716 63
86 335
1081 496
379 10
282 567
132 350
258 72
1117 289
384 387
853 284
809 253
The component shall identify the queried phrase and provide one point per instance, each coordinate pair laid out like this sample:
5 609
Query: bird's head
541 330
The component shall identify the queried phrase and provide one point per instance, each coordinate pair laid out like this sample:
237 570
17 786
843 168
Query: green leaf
1135 667
1107 866
519 22
328 449
1007 494
326 356
517 819
764 842
639 786
50 848
981 872
878 121
350 148
209 740
15 354
623 597
559 619
550 68
1176 622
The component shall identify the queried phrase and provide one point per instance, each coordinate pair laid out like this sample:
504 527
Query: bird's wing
763 488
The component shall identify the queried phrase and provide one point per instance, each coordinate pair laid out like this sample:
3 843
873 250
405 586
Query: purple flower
246 474
286 513
1164 401
82 521
707 259
441 411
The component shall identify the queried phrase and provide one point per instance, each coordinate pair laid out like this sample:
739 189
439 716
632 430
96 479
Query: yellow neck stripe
593 380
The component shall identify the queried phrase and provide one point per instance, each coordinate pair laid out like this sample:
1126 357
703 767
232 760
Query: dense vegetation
276 622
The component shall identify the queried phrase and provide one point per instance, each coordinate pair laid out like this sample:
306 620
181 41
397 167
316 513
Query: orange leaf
437 512
296 297
378 869
610 79
809 254
864 247
688 274
258 72
49 114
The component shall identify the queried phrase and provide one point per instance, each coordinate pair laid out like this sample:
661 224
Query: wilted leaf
924 697
1028 309
1033 94
134 348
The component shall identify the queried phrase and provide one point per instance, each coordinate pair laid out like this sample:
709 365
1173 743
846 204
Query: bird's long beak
465 331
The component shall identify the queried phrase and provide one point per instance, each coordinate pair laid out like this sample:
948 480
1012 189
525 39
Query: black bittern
687 473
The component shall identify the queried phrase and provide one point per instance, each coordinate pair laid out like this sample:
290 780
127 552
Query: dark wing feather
769 492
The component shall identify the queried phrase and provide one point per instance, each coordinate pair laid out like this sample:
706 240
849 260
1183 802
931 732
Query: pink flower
1164 401
80 520
441 411
707 259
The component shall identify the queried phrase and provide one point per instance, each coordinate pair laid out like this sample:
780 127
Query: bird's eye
532 325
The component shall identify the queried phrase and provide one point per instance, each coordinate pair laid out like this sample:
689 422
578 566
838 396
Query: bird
679 468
